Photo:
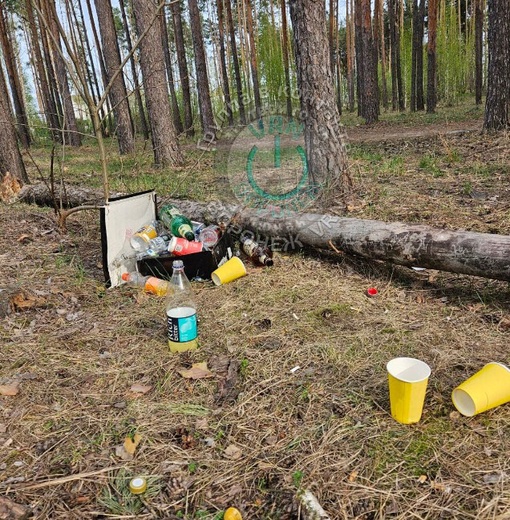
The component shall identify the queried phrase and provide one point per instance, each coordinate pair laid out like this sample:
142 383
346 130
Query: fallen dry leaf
197 371
24 239
353 476
233 452
25 300
130 443
140 389
11 389
422 479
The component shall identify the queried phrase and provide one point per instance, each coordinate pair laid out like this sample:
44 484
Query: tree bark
497 106
170 75
411 245
204 95
12 73
253 60
349 36
180 48
381 46
136 84
117 94
48 105
223 63
394 13
235 61
285 52
478 51
324 135
164 142
420 99
10 156
370 87
431 57
417 102
104 77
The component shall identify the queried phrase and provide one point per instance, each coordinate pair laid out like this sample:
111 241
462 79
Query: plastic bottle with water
149 284
181 312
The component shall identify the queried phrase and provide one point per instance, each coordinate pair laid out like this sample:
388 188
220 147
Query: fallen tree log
410 245
465 252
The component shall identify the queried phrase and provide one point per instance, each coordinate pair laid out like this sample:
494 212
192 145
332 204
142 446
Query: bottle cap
189 235
178 264
138 485
125 276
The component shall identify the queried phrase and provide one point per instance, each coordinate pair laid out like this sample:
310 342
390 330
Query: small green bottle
178 224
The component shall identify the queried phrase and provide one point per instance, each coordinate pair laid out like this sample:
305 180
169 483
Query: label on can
146 233
182 324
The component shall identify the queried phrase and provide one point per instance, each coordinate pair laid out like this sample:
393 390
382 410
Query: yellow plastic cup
488 388
407 378
231 270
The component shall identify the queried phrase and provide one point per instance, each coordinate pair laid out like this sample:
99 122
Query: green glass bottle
178 224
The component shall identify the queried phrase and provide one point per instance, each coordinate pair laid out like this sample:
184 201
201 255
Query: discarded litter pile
149 253
162 255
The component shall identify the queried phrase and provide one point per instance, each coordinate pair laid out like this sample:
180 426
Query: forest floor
90 371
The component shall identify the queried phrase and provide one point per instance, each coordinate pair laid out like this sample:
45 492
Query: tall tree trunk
164 142
182 63
14 81
324 135
397 86
338 62
70 128
360 63
285 52
223 63
118 93
10 156
136 84
204 95
169 72
420 100
414 56
50 109
369 89
331 37
80 46
102 66
381 47
253 60
349 36
417 102
478 51
235 61
431 57
497 105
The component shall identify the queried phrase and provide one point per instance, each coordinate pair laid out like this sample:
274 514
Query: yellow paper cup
488 388
407 378
231 270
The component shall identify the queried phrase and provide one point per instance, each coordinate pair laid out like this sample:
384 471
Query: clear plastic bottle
181 312
209 236
125 260
157 245
150 284
260 255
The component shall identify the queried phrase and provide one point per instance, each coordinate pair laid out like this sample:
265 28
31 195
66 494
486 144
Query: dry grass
77 349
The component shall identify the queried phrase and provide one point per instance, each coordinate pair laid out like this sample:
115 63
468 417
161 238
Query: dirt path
386 132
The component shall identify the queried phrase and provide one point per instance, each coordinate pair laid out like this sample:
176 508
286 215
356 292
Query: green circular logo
266 165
